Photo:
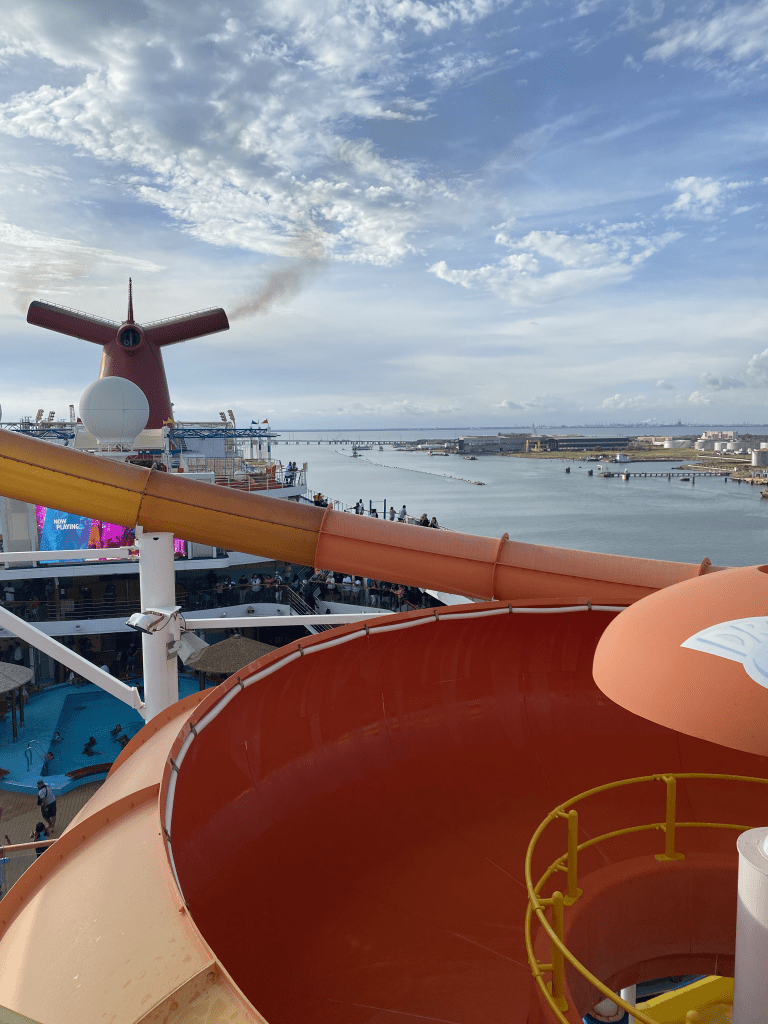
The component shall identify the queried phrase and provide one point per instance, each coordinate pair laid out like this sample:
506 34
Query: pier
355 444
626 474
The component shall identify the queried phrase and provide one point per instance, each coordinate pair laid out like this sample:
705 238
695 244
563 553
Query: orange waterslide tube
481 567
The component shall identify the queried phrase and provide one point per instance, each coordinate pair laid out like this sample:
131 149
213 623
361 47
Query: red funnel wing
69 321
181 328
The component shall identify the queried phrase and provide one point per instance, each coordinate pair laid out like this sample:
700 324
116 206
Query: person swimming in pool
114 732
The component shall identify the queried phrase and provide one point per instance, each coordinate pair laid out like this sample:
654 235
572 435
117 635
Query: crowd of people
350 589
402 516
359 509
271 586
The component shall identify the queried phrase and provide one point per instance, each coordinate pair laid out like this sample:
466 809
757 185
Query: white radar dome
114 410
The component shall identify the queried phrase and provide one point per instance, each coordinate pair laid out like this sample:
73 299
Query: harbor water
536 501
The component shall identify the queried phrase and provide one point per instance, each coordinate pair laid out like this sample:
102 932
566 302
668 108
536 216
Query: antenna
130 301
72 417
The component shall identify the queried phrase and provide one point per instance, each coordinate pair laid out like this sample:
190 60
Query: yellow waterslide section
481 567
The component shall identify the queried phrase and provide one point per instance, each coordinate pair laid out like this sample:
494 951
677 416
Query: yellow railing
554 990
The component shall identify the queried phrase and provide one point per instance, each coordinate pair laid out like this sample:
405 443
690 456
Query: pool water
76 713
91 714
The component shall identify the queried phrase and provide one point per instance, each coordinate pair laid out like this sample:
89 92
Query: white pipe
19 627
750 984
629 995
157 584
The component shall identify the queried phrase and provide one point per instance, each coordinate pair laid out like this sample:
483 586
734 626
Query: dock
626 474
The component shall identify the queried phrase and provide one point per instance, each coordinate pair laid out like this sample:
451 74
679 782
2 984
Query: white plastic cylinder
750 986
157 581
629 995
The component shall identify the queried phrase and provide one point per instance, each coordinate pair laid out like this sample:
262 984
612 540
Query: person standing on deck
40 832
47 802
402 515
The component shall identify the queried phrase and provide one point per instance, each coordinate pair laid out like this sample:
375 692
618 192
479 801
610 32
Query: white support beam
157 583
26 631
750 981
80 555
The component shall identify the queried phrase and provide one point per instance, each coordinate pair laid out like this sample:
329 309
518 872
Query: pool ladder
32 748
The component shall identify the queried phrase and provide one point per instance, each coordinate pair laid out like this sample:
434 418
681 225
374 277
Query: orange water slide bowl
348 828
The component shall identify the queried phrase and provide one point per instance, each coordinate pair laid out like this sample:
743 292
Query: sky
466 212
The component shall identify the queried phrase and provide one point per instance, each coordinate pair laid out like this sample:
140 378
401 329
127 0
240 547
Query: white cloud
33 265
713 383
235 122
665 385
698 398
549 266
738 34
525 406
757 369
702 198
619 401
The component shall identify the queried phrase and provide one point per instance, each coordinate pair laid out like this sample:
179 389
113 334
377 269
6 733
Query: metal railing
15 858
300 606
554 989
182 316
246 475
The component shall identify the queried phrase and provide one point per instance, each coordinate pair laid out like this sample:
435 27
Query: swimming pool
76 713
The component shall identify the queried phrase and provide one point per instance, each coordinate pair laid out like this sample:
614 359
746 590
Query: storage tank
760 458
732 446
719 446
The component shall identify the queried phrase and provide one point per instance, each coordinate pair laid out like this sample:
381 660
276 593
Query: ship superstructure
88 601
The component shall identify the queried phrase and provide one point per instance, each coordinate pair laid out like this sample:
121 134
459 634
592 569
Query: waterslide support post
157 582
669 826
573 852
629 995
750 983
558 972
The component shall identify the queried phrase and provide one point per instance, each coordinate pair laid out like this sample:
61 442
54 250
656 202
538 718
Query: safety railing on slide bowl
554 989
15 858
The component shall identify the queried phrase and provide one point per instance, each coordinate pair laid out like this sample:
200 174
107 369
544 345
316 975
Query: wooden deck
20 814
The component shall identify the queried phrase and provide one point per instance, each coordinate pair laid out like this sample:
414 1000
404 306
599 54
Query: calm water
534 500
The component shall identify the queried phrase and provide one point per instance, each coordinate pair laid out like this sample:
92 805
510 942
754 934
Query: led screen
63 531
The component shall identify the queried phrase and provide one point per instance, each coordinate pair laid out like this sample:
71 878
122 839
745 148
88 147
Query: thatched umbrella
12 678
227 657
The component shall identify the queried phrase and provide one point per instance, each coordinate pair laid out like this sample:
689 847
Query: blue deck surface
76 712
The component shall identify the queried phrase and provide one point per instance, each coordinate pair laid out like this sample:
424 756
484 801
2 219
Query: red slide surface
349 832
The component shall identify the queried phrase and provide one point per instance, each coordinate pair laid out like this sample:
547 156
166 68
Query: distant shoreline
634 428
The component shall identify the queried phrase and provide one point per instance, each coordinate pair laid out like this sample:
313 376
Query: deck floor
19 814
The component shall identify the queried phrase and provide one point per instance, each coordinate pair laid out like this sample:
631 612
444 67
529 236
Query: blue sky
499 212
